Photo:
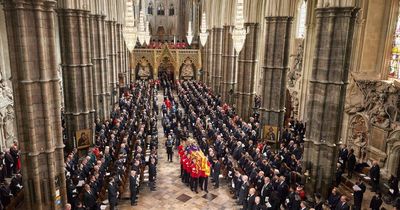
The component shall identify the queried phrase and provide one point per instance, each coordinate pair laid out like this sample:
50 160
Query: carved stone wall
7 115
379 104
294 76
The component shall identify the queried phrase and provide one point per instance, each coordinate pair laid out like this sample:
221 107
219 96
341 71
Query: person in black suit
133 187
358 194
318 202
9 163
244 190
374 174
89 199
376 202
351 163
338 175
393 186
283 189
250 201
343 155
152 174
258 205
266 190
112 194
216 171
333 199
342 204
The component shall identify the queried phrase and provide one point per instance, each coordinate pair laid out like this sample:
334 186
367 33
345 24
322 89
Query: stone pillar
276 64
99 60
36 83
229 56
247 61
334 34
217 56
209 48
77 71
204 63
112 58
120 42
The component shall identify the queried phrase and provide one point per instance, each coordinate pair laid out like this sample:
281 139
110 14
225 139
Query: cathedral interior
199 104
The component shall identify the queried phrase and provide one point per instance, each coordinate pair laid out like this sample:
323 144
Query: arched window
171 10
150 9
301 21
394 68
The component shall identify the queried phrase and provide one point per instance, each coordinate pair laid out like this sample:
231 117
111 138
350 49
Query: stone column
99 60
77 71
112 58
247 61
120 42
228 66
209 48
334 34
32 46
204 61
276 60
217 56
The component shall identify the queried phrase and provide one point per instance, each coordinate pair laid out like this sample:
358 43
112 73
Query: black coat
351 162
112 194
341 206
374 173
89 200
243 192
250 203
216 169
376 203
152 172
358 195
132 183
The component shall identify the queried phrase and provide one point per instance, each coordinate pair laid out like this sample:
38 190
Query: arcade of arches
331 66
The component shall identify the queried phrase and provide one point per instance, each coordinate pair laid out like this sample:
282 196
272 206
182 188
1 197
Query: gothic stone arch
358 135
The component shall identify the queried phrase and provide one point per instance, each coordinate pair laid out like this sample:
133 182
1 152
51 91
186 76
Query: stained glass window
301 22
394 68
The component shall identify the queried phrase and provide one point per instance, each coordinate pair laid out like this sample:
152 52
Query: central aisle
171 193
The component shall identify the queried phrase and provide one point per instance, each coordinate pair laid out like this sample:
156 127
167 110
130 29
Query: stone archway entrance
166 71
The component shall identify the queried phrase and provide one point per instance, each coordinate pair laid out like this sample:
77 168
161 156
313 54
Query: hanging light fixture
190 33
239 32
129 32
203 30
147 34
141 34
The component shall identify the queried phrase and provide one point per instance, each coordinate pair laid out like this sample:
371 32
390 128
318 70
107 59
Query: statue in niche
144 68
359 137
257 102
5 92
8 122
187 68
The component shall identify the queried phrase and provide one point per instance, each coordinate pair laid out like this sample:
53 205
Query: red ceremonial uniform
195 171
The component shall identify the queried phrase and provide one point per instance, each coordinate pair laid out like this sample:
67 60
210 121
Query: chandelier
147 35
239 32
203 30
190 33
129 32
141 34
